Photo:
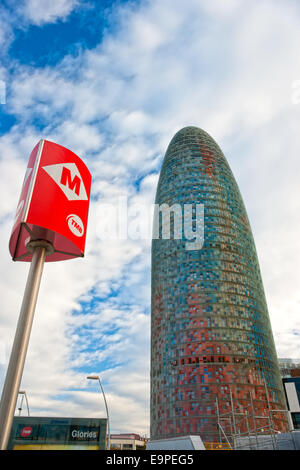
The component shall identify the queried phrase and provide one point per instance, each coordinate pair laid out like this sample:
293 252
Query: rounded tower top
192 131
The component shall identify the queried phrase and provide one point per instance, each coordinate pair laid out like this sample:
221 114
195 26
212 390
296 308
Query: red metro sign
53 205
26 432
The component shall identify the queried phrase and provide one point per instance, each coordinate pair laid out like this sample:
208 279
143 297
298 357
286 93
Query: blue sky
113 81
82 29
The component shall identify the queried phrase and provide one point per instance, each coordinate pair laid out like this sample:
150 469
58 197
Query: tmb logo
26 432
68 178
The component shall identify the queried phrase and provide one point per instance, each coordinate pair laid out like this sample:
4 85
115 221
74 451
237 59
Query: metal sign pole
21 340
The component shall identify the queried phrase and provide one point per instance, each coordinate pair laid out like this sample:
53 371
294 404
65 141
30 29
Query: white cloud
6 32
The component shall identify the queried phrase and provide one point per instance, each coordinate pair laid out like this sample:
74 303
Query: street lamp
96 377
23 393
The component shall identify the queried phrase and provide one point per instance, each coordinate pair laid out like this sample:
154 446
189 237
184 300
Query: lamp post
96 377
23 393
20 345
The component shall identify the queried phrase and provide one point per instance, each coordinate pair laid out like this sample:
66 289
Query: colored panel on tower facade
213 358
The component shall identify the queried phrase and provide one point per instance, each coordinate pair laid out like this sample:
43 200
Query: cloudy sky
113 81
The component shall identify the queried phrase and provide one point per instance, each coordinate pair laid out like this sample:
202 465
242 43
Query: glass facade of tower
213 358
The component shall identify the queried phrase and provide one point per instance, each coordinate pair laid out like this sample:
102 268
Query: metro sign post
50 225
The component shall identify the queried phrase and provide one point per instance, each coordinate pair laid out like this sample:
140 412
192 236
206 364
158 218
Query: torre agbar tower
214 366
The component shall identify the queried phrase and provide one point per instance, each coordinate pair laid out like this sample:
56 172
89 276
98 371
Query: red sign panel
53 205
